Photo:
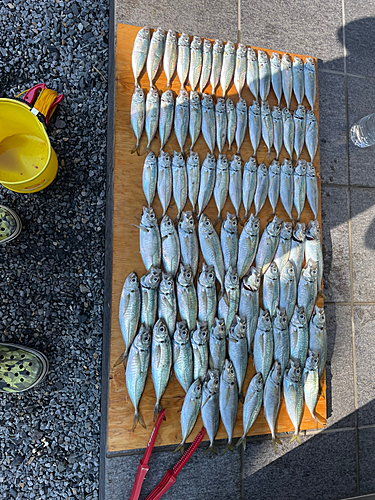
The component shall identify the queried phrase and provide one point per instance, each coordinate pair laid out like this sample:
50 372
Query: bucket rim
43 129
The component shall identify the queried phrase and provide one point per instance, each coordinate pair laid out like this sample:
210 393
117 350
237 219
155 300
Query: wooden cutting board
127 206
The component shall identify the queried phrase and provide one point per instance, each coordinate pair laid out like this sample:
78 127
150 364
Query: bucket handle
31 95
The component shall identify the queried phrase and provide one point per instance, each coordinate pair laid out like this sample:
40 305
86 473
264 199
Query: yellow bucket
27 161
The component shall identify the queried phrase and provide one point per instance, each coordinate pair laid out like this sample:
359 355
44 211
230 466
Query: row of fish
221 123
203 62
249 184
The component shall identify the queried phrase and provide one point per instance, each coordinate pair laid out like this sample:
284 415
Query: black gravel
52 276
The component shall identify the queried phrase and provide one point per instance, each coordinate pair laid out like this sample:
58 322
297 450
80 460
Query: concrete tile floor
336 463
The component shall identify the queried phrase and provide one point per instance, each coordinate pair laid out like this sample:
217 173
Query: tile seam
335 72
353 186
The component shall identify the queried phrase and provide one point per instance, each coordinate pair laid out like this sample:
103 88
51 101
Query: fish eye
207 223
169 223
210 276
162 329
133 280
188 275
301 316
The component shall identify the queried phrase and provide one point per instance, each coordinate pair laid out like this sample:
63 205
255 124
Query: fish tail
275 440
240 396
242 441
229 150
321 294
229 446
121 359
218 219
296 437
316 417
157 410
138 418
180 448
135 149
211 448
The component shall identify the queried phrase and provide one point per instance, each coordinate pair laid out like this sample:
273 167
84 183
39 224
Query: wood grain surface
128 201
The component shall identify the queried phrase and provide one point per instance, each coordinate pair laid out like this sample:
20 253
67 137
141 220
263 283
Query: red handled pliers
170 475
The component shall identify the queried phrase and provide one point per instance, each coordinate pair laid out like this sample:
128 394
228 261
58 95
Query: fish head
195 97
299 232
205 225
229 104
299 317
159 35
312 361
152 278
286 61
251 165
207 46
236 163
276 113
264 320
310 65
207 101
286 230
207 276
164 160
185 276
167 97
281 319
218 329
288 272
218 47
228 373
252 225
265 108
262 170
171 37
319 317
251 281
222 162
310 271
230 48
238 327
287 167
151 159
297 64
178 160
167 283
275 60
138 95
195 390
182 98
310 170
209 162
310 116
212 381
166 226
230 223
294 370
272 272
187 222
196 43
274 226
313 230
287 115
200 334
148 217
184 40
231 279
255 108
193 159
251 55
152 96
300 112
241 50
300 168
181 335
241 105
144 33
262 57
160 331
257 383
220 105
275 167
276 372
143 340
131 282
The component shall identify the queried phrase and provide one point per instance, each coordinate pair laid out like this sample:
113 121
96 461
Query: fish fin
157 410
240 397
231 339
138 418
227 395
317 418
211 448
145 300
141 421
321 294
156 354
180 448
207 400
145 230
242 441
229 446
218 220
274 441
167 303
210 360
296 437
121 359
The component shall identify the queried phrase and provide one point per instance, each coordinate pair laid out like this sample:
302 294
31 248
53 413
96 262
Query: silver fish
252 72
255 126
274 184
193 174
293 395
190 412
206 64
271 289
137 115
161 362
263 344
139 54
308 288
149 293
268 244
210 411
249 303
313 249
276 77
152 115
164 182
298 335
149 177
182 356
137 370
217 345
208 122
281 338
283 248
310 80
271 396
166 117
311 138
187 296
287 186
149 239
217 62
167 303
267 125
207 182
298 79
206 292
170 246
277 121
241 127
310 382
240 69
195 117
227 69
228 306
318 336
235 182
264 75
221 123
237 350
249 182
155 54
248 245
199 338
210 247
231 121
229 241
252 406
299 182
312 189
262 188
181 118
299 118
297 248
288 131
288 289
188 241
228 400
221 184
183 58
129 312
170 56
179 180
287 78
196 57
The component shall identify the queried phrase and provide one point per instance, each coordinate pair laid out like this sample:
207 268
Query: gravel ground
52 276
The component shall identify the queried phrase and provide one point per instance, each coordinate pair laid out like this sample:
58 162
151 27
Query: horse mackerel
179 181
249 181
271 396
161 362
249 303
235 182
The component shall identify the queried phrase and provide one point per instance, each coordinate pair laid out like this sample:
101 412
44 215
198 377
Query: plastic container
362 133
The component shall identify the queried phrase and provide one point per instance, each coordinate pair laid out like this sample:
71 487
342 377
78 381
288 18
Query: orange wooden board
128 202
